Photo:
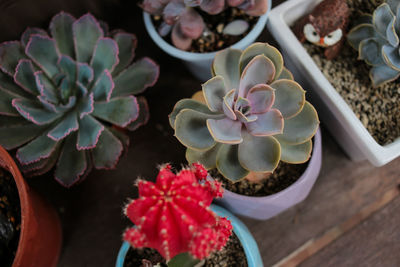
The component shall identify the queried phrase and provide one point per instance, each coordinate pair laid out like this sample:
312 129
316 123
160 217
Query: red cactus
173 215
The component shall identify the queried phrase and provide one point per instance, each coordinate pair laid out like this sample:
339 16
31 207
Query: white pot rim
188 56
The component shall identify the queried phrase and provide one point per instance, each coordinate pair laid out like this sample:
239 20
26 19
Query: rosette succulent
173 216
186 23
67 94
255 115
376 38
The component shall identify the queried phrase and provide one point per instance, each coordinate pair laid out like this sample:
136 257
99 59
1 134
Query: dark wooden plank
343 189
375 242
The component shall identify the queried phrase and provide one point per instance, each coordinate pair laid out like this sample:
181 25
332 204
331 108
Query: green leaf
89 132
72 163
61 30
107 152
105 56
126 46
143 117
262 49
86 31
285 74
6 107
289 97
228 163
225 131
65 127
259 154
136 78
40 148
188 104
46 87
119 111
24 76
207 158
85 73
34 112
103 87
214 92
302 127
371 51
383 74
226 64
68 67
16 135
26 35
296 154
183 260
8 83
42 50
360 33
10 54
191 129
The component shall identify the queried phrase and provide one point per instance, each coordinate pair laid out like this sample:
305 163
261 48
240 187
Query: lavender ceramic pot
263 208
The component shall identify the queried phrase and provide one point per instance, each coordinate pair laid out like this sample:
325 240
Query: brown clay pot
40 238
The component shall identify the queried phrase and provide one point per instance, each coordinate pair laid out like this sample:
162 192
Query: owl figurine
325 27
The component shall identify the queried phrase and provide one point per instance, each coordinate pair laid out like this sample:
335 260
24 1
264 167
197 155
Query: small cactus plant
66 95
173 215
376 38
181 17
254 116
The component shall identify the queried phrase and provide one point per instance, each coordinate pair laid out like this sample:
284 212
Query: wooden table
351 217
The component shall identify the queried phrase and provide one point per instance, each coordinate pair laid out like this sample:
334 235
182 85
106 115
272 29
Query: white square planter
338 117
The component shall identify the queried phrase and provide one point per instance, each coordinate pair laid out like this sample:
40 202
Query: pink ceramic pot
263 208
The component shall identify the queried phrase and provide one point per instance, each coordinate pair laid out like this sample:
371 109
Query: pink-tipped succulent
173 214
66 93
186 23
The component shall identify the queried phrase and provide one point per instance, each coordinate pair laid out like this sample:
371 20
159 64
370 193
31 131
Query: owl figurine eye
311 34
333 37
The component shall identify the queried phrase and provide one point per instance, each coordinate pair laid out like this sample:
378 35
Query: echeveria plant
66 93
173 216
255 115
187 24
376 38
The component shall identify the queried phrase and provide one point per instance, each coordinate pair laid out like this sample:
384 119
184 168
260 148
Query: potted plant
68 96
24 217
363 117
194 30
174 225
254 131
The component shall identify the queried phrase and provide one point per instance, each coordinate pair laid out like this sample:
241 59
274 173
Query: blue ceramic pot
246 239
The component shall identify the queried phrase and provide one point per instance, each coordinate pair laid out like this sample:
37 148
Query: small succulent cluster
187 24
173 214
255 115
66 94
376 38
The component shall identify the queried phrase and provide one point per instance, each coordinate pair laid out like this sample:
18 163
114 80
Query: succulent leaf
391 56
383 74
285 74
369 51
72 163
214 92
226 64
206 158
301 127
225 131
289 97
179 39
61 30
212 7
191 129
259 154
86 32
296 154
228 163
40 148
261 97
10 54
57 99
188 104
236 27
192 24
144 72
229 102
267 124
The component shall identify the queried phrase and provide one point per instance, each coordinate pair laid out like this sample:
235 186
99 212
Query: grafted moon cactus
255 115
187 24
66 94
173 214
377 40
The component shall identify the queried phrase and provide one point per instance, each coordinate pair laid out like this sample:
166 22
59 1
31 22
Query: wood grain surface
351 217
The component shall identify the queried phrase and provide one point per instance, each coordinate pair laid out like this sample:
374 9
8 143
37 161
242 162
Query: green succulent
67 96
376 37
255 115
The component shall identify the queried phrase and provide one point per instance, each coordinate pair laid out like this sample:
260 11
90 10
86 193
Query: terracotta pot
263 208
40 238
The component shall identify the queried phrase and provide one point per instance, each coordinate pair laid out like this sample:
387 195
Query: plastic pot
246 239
199 64
40 237
340 119
263 208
